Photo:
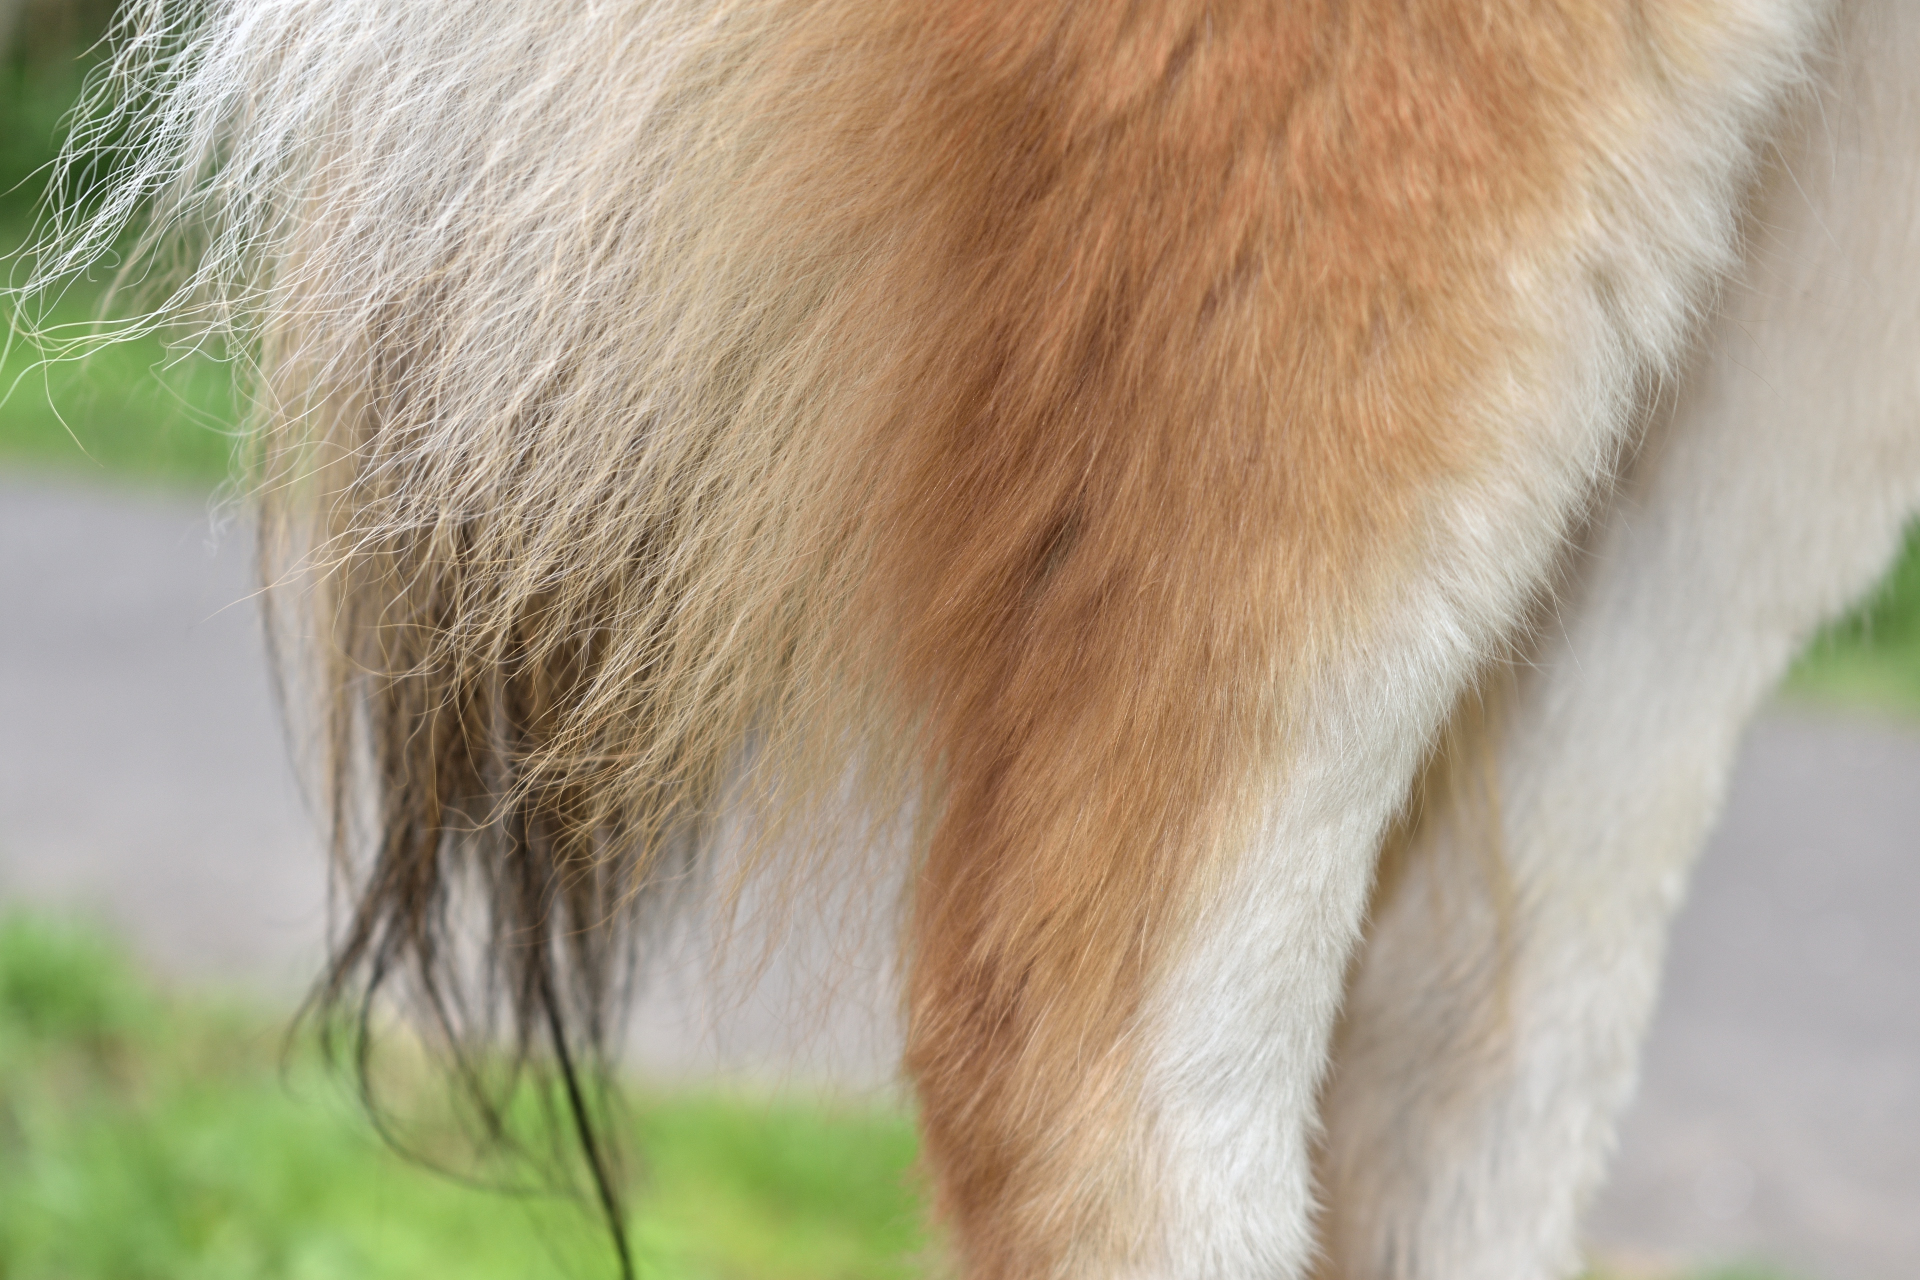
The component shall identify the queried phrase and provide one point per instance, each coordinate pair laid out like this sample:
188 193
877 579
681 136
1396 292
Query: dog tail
554 424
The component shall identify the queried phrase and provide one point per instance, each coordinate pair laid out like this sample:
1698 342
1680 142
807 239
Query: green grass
149 1136
144 1135
125 412
1871 659
130 411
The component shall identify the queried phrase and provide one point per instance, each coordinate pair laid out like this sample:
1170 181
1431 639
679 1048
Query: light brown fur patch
1187 317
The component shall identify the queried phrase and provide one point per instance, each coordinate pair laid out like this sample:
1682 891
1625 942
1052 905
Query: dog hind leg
1493 1023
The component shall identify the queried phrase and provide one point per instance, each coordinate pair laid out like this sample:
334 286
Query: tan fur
1022 409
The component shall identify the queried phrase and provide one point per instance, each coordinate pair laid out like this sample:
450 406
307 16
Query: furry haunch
1118 439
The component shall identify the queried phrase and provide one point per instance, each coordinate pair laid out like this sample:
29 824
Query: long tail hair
565 454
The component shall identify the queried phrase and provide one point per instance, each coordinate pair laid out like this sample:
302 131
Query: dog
1277 510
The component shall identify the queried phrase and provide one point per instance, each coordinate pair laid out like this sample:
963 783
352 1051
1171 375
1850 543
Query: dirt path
143 778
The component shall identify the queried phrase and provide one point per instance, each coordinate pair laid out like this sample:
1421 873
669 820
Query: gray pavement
142 773
1779 1109
143 780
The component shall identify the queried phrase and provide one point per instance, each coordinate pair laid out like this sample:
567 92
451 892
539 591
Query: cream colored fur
1494 1023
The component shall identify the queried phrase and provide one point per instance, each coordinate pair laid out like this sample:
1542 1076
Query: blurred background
163 901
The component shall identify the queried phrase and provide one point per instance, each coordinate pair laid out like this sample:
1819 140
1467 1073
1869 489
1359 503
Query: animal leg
1169 750
1494 1021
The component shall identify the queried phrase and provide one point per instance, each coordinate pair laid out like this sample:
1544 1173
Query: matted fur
1067 421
